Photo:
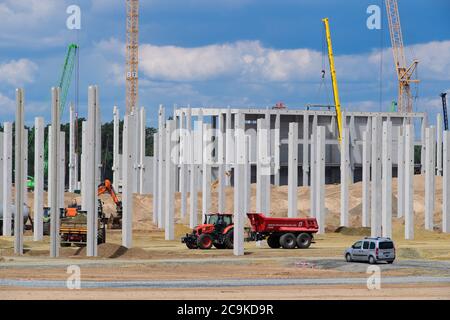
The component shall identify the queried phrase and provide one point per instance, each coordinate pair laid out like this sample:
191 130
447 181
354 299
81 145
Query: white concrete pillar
422 137
305 162
84 152
62 168
292 169
161 166
50 165
72 177
276 149
263 168
91 172
439 144
142 146
430 170
446 183
206 168
409 182
183 165
2 174
313 165
98 137
345 175
188 155
375 217
247 176
365 219
54 174
193 182
128 148
116 144
19 178
229 149
25 166
386 189
170 181
401 172
38 204
156 193
239 182
221 163
320 179
7 178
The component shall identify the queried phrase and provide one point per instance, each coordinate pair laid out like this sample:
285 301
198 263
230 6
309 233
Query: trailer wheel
304 240
205 241
273 241
287 241
229 239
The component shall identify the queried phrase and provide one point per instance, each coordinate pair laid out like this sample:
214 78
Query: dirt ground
153 258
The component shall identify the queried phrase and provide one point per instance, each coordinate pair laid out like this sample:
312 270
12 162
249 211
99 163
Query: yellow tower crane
337 102
405 74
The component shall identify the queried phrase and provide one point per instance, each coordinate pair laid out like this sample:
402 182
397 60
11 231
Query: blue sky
239 53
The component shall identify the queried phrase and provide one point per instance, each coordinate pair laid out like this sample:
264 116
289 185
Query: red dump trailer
287 233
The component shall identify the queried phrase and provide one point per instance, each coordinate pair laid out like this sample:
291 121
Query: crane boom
404 73
66 76
132 54
337 102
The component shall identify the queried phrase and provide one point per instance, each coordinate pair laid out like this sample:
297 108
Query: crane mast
337 102
132 54
405 73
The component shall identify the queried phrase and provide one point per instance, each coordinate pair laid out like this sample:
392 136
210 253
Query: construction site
233 202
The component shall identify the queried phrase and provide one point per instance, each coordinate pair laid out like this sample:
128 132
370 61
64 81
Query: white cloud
7 105
18 72
249 60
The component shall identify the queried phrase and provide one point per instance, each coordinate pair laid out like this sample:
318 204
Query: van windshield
386 245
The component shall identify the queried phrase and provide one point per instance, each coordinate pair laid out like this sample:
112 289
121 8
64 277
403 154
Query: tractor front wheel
191 245
205 241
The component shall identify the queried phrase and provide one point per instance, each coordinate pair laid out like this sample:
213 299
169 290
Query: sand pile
110 250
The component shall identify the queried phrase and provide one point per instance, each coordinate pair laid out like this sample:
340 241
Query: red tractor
217 231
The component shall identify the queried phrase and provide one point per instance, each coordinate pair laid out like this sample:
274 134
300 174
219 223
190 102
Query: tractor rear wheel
228 241
205 241
304 240
273 241
287 241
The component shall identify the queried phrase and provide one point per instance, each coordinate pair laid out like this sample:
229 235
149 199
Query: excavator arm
106 187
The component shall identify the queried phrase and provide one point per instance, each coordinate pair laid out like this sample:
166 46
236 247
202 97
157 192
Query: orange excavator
107 187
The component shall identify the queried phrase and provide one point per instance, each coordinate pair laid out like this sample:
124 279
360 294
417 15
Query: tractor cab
219 218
